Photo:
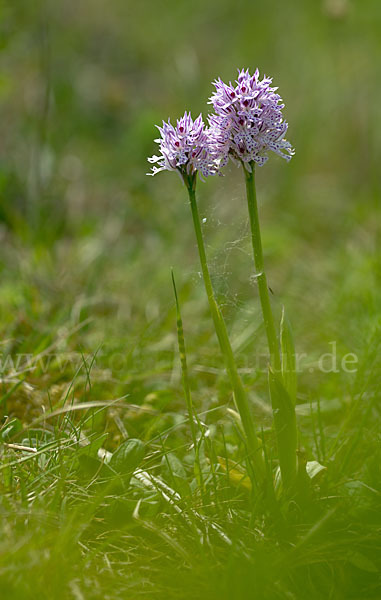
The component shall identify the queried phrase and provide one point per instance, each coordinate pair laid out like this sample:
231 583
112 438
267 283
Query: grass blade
288 357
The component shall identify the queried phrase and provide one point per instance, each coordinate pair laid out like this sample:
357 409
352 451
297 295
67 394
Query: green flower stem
282 403
268 318
240 396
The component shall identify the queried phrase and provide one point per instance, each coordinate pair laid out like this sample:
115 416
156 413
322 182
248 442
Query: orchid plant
246 125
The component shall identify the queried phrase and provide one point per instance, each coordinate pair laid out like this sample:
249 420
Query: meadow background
87 311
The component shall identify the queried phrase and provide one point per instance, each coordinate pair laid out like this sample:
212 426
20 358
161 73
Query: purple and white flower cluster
185 148
246 125
248 120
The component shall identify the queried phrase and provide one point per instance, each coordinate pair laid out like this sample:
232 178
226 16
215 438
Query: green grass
89 342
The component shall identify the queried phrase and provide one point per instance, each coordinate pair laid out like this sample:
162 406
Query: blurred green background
87 307
86 234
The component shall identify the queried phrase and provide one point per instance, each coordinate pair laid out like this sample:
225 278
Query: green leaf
175 474
128 457
288 357
285 428
90 467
